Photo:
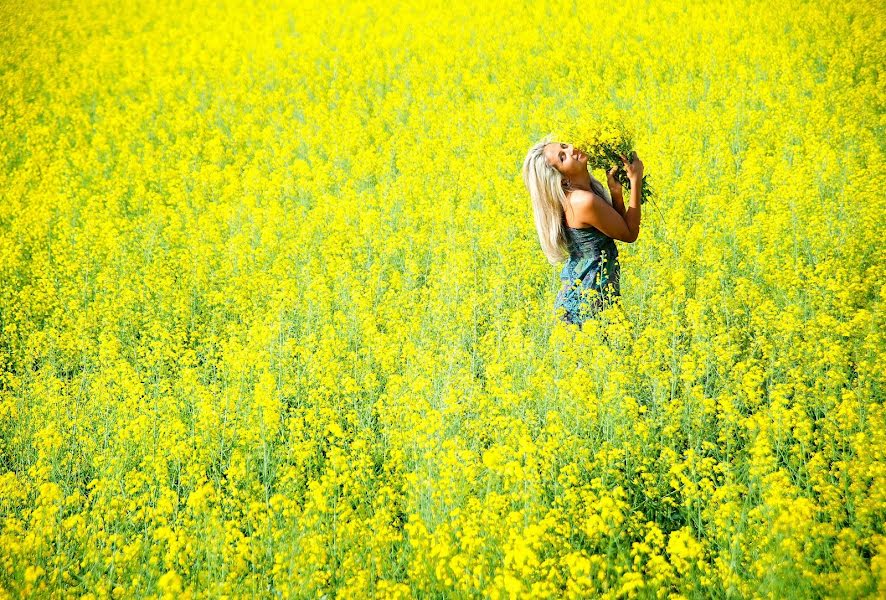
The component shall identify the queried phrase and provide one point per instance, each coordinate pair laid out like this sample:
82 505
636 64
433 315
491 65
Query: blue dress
590 276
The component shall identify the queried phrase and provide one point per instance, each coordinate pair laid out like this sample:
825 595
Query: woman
574 217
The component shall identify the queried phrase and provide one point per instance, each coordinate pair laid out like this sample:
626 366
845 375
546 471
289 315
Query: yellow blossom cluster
274 320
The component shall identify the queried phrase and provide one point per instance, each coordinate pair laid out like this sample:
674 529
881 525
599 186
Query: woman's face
566 158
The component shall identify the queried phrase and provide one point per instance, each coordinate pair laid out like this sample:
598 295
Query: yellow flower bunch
604 143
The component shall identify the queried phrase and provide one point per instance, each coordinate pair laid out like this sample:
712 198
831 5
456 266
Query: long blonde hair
545 185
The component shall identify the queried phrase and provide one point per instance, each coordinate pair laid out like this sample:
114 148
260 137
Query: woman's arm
593 210
615 192
618 203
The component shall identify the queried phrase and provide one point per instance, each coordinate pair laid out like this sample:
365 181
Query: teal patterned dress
590 276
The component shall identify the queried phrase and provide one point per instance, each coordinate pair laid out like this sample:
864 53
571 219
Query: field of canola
275 321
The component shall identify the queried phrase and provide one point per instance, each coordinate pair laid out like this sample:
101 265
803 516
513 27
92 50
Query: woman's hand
612 182
634 169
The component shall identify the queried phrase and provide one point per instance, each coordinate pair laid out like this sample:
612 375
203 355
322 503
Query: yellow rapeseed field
275 321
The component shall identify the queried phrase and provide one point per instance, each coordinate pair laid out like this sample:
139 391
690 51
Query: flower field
275 321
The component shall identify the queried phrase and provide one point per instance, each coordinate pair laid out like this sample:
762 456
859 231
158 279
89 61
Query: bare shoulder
584 204
582 197
590 210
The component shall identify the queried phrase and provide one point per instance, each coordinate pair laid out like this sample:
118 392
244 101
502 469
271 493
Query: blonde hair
545 185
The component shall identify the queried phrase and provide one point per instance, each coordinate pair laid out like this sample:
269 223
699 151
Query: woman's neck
584 183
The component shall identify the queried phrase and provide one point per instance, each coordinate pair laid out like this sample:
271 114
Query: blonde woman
578 221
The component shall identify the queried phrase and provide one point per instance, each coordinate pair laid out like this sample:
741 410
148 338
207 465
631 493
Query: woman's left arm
615 191
618 203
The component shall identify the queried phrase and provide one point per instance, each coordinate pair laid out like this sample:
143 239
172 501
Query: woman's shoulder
580 196
584 198
580 201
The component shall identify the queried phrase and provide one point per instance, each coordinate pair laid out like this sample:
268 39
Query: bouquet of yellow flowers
604 146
